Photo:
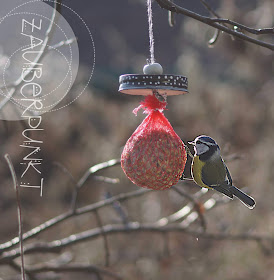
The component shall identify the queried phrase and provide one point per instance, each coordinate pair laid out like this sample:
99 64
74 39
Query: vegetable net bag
154 156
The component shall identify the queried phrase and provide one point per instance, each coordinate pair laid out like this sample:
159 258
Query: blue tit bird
209 170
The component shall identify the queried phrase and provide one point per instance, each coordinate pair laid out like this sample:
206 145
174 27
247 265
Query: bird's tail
245 199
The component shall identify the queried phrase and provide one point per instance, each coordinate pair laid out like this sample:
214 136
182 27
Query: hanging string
150 30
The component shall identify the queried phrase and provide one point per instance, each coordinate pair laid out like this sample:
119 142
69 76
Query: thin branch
96 168
259 31
72 179
80 211
62 43
209 8
188 151
106 179
197 205
100 224
217 23
87 174
171 18
73 268
182 213
215 37
17 267
207 205
19 213
118 209
132 227
38 58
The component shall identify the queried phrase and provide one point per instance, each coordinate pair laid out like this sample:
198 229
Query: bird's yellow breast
196 171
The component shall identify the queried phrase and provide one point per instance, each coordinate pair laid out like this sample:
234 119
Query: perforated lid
144 84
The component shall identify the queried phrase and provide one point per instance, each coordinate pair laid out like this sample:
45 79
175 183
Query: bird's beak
191 143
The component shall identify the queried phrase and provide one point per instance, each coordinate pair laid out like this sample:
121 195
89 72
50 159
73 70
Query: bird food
154 156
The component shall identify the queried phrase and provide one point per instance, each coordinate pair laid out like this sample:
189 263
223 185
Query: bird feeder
154 156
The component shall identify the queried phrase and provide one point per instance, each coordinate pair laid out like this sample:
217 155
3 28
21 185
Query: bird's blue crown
208 139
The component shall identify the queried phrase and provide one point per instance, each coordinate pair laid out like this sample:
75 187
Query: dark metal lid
144 84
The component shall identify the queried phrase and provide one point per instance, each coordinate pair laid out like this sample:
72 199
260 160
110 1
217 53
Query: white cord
150 30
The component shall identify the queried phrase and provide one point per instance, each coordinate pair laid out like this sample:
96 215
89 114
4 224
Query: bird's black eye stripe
200 142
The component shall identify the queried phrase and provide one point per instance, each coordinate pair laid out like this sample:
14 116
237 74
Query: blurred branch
190 212
62 43
19 214
17 267
259 31
163 226
87 174
97 168
198 206
106 179
118 209
215 37
58 219
39 57
57 245
208 7
100 224
171 18
183 212
218 23
73 268
232 157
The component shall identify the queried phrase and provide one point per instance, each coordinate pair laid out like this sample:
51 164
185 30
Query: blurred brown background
230 98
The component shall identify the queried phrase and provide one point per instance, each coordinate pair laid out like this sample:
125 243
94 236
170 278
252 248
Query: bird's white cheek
201 149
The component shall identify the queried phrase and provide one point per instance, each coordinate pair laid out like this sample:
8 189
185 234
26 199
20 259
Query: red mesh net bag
154 156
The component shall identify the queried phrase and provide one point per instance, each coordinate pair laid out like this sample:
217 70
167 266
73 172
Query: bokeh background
230 98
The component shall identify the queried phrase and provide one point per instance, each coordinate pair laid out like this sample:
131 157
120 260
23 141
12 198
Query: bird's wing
228 175
224 189
214 172
216 175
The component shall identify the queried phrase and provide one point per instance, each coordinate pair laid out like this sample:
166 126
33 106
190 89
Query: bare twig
182 213
57 245
100 224
233 157
8 257
256 31
17 267
171 18
215 37
208 7
73 268
87 174
39 57
106 179
188 151
61 218
65 171
197 206
97 168
19 213
118 208
62 43
218 23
